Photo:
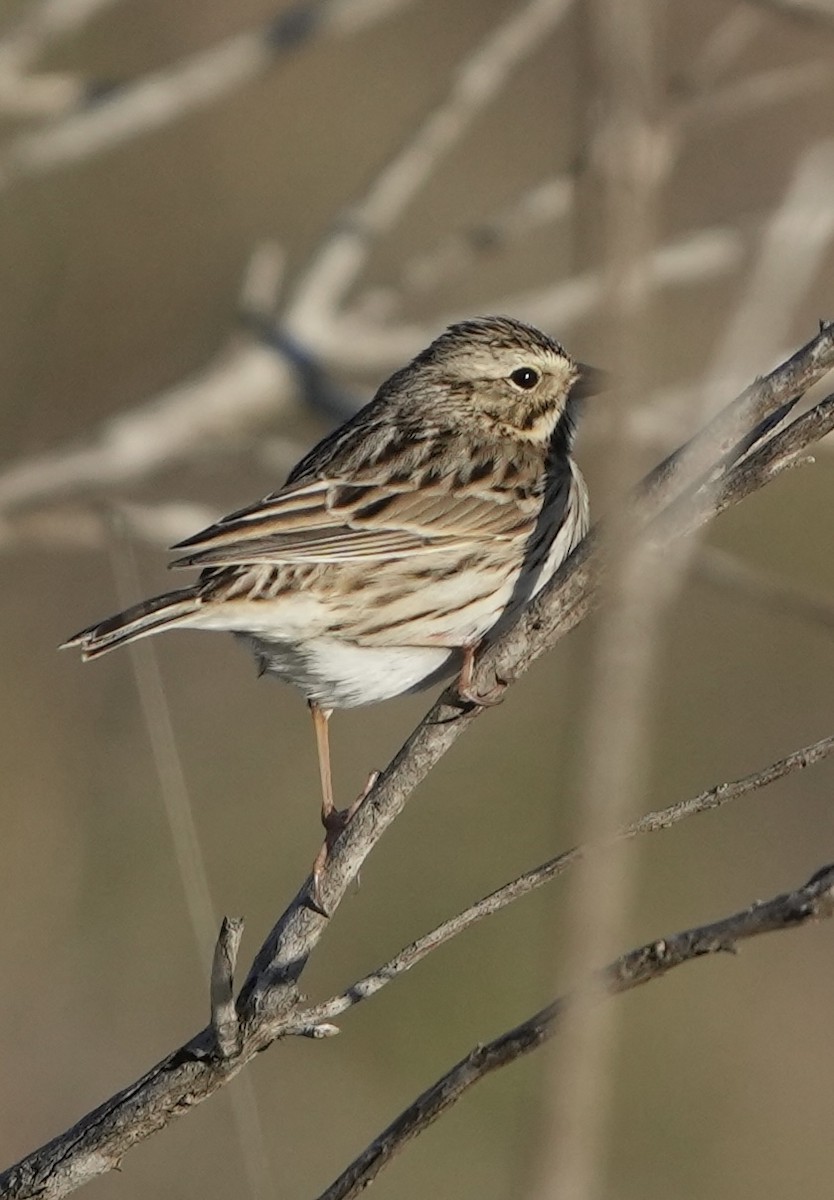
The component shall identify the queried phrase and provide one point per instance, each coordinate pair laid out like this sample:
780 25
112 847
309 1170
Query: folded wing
331 521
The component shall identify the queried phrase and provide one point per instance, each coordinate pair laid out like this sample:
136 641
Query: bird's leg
329 813
465 684
333 819
321 724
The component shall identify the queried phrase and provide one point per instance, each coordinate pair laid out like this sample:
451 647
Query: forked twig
814 901
268 1006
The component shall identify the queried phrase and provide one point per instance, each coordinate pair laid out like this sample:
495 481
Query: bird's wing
332 521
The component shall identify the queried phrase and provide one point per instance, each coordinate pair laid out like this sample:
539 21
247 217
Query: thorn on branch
224 1018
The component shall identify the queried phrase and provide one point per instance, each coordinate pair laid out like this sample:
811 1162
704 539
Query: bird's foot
489 699
465 686
335 821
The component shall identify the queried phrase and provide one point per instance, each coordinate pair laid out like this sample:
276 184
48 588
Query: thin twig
269 999
812 902
664 818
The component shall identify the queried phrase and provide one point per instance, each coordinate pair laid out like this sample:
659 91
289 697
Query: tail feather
138 621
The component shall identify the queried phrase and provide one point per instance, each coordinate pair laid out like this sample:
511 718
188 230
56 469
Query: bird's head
497 371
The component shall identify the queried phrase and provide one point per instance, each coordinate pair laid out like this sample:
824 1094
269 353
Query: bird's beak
590 382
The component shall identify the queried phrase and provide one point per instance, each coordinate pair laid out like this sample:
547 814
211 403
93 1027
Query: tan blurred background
121 277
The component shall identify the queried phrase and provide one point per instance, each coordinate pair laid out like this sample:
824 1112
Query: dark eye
525 377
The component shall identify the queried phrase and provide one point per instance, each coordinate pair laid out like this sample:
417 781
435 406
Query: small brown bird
401 540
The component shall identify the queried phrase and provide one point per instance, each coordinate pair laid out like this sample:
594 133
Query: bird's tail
162 612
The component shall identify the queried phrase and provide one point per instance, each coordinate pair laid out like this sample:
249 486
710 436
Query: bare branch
224 1019
695 258
725 44
664 818
268 1005
812 902
753 93
559 607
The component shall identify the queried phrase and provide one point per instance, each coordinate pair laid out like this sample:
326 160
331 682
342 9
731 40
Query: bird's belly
339 674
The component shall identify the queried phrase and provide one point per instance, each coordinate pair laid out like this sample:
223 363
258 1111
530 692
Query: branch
631 152
783 596
169 94
224 1020
812 902
268 1005
315 314
250 384
186 420
544 202
664 818
267 380
821 11
695 258
41 23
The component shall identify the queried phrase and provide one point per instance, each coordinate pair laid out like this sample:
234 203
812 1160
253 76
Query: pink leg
333 819
465 684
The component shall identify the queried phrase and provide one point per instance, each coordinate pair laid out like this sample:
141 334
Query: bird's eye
525 377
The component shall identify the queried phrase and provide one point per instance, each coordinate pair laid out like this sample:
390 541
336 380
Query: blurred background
350 176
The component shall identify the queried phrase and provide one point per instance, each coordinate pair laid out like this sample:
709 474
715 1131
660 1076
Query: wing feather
340 521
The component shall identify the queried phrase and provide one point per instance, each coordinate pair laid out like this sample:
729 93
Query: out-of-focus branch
724 45
315 313
250 385
799 10
268 1005
731 574
696 258
24 92
545 202
794 239
814 901
753 93
88 528
171 93
631 156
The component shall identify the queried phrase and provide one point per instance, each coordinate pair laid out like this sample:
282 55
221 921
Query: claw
489 699
465 687
334 820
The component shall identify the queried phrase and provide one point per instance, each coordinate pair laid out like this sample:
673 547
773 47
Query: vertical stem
630 153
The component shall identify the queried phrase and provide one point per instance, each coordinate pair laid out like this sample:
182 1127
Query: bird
403 540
